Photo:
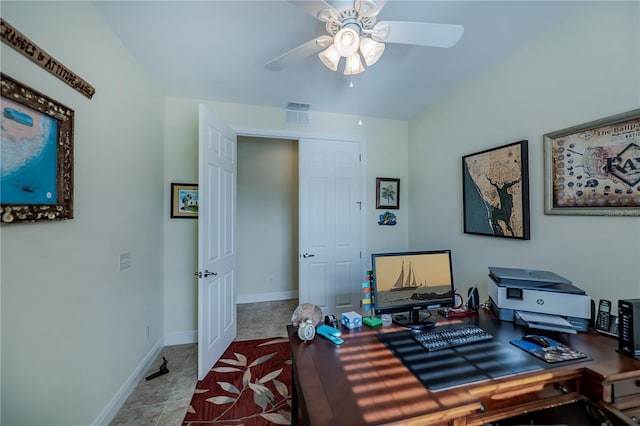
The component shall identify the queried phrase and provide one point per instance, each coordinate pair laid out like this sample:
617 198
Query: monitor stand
415 320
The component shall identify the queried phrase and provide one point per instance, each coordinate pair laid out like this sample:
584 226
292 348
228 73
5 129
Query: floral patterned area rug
250 385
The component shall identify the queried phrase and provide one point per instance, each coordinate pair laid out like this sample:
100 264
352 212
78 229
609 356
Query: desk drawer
625 402
633 414
625 388
615 416
536 392
528 397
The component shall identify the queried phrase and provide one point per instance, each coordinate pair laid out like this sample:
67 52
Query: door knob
205 274
305 255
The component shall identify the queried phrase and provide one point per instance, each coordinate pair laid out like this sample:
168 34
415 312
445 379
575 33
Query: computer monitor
408 284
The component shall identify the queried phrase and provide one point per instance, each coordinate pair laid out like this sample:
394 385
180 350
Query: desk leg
294 396
298 407
459 422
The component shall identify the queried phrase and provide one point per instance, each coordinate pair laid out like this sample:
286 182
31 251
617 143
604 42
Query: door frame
299 134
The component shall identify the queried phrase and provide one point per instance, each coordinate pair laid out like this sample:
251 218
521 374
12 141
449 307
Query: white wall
267 225
586 69
385 152
73 326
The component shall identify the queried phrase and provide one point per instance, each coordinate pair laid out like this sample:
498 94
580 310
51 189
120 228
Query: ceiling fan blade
300 52
319 9
420 33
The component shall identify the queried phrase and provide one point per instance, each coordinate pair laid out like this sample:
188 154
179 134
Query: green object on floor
372 321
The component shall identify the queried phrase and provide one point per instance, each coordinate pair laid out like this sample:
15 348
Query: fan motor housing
350 16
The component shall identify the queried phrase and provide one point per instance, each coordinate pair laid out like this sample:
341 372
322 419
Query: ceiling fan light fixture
330 58
346 42
371 50
327 15
324 41
353 65
380 31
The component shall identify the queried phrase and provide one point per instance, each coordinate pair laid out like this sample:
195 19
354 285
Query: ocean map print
496 189
29 155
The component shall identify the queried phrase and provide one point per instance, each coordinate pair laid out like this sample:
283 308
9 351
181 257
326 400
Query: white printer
538 299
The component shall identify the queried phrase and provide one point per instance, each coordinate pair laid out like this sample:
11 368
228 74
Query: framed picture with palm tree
387 193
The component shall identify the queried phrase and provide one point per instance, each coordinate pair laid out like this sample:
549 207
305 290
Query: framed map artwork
495 187
36 161
594 168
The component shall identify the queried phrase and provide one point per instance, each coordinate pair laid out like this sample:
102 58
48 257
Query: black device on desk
537 340
473 299
331 321
605 322
451 336
408 284
629 333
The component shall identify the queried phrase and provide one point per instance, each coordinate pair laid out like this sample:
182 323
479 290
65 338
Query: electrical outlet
147 332
124 261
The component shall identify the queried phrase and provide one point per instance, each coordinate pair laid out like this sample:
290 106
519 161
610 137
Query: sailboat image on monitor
408 284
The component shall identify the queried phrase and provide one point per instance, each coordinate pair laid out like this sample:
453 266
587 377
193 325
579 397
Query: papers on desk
544 322
555 352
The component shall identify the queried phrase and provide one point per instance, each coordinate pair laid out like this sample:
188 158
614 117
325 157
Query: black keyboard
449 336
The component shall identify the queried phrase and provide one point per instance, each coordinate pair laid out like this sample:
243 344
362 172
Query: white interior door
330 217
216 239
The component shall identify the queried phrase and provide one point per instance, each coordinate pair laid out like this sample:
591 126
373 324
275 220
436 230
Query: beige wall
73 326
586 69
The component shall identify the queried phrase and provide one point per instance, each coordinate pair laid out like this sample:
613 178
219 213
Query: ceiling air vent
297 113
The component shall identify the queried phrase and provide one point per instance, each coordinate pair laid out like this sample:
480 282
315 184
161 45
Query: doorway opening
267 219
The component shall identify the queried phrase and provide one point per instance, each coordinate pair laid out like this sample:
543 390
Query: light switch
124 261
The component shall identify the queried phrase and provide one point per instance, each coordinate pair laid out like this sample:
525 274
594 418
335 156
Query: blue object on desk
330 333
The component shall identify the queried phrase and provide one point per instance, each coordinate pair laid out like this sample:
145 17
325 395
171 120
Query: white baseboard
181 338
266 297
110 411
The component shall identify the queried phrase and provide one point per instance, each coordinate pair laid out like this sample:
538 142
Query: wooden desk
362 383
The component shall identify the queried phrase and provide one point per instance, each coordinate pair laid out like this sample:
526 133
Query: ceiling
216 50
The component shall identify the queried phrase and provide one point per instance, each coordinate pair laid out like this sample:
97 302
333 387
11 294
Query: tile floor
163 401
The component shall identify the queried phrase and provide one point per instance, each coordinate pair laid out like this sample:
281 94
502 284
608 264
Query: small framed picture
184 200
387 193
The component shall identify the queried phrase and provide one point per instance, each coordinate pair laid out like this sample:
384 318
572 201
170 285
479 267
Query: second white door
330 217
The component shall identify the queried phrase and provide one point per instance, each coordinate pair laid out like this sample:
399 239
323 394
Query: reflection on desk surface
460 365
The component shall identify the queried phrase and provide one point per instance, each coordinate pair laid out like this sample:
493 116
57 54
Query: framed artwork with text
594 168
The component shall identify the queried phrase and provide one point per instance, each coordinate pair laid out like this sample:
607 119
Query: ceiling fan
353 31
